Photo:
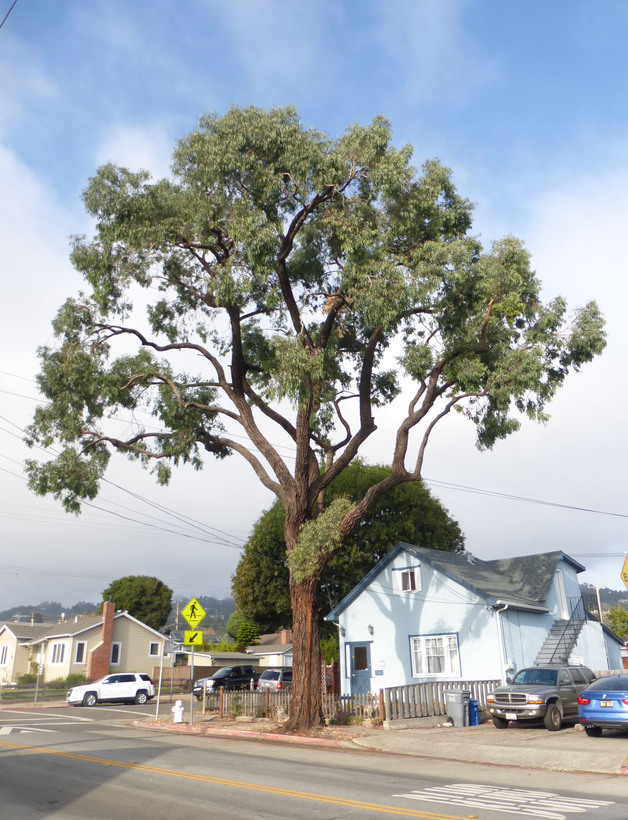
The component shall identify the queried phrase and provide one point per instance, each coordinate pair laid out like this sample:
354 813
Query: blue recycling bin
473 713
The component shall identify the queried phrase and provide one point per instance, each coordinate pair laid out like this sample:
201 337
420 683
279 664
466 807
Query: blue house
423 615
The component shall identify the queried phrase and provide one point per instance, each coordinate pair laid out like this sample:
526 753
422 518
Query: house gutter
500 607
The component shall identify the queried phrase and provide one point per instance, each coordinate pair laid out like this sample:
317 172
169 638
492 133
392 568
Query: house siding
135 640
595 650
440 606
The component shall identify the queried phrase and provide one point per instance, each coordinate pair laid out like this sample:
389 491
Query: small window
126 679
153 650
406 580
79 655
58 653
115 654
4 655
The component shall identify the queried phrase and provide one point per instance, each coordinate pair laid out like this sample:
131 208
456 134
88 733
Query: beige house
93 646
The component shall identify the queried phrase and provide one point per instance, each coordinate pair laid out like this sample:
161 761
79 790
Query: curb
242 733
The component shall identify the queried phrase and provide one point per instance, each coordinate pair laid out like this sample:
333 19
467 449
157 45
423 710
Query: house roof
38 633
522 582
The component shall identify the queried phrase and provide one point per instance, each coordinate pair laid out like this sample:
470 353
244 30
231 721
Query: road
73 764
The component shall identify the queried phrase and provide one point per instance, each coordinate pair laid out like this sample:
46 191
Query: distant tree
261 586
617 620
330 651
146 598
247 634
236 619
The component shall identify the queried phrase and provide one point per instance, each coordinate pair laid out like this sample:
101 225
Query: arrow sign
624 571
193 613
193 638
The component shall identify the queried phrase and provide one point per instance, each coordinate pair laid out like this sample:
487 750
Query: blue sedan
604 705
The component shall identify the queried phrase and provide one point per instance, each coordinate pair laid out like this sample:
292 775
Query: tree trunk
306 710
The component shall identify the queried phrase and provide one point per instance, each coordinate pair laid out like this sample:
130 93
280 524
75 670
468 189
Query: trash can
457 703
473 713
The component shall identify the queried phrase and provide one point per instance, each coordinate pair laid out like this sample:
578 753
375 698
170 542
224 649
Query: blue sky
525 102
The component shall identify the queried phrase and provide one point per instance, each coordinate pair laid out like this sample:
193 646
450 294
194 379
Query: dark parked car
604 705
548 693
229 677
276 680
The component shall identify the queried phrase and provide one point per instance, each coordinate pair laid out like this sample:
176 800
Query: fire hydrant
177 711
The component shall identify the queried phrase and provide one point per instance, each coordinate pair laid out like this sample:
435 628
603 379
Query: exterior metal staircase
559 642
564 634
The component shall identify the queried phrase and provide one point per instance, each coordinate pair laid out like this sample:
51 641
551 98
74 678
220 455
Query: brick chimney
286 636
100 656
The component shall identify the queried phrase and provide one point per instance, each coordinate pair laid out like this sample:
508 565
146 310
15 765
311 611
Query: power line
4 19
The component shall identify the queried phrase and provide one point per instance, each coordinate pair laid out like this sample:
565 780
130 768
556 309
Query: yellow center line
219 781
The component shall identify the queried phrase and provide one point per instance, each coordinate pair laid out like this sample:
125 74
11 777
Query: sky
525 102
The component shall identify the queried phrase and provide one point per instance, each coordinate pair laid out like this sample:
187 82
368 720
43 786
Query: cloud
147 147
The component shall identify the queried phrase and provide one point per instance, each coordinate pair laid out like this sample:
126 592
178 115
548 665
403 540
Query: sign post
193 613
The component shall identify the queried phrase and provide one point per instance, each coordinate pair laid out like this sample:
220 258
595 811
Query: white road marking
37 715
524 802
6 730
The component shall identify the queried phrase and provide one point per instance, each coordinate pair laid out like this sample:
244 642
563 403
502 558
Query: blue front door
360 669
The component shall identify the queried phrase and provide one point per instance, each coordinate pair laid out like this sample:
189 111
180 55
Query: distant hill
47 612
218 612
608 597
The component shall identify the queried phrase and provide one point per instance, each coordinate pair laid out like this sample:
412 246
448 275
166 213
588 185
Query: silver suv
277 680
123 687
547 692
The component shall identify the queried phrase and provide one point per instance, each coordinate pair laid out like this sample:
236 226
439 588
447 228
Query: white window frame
153 649
116 652
406 580
4 654
57 654
83 661
435 656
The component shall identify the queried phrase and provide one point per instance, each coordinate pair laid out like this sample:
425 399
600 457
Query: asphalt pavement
568 750
532 747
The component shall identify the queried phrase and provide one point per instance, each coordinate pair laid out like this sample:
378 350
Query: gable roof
522 582
38 633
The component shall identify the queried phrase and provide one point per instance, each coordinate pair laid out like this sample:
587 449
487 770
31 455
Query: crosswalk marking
525 802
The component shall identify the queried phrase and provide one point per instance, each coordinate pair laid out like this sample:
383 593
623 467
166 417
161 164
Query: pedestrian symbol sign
624 571
194 638
193 613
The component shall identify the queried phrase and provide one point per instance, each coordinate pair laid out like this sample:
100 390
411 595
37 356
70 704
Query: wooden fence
271 704
428 699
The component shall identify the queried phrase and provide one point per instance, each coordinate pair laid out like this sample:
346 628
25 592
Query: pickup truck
229 677
547 693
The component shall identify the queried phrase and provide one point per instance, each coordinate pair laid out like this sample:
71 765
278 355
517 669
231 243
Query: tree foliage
146 598
408 513
294 284
617 620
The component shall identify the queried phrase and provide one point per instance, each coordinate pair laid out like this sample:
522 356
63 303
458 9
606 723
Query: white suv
123 687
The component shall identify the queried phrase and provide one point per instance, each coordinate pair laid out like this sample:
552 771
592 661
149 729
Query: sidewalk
569 750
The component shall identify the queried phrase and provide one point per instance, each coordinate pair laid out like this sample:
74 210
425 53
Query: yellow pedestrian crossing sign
193 613
624 571
194 638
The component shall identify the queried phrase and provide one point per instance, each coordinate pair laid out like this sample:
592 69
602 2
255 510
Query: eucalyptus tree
408 512
294 284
